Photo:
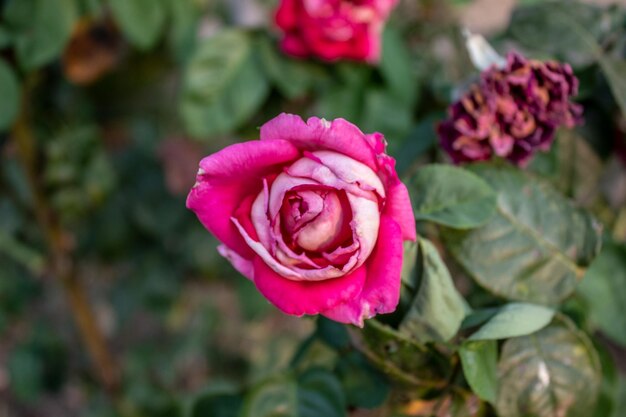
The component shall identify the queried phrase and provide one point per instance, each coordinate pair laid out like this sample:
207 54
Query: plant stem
60 252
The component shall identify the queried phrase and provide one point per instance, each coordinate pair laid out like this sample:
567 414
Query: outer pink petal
398 207
301 297
319 134
398 204
227 177
287 14
381 292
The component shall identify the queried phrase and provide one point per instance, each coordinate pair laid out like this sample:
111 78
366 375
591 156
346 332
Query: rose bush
333 29
313 213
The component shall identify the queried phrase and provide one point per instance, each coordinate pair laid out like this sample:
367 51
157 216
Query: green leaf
620 405
451 196
614 70
422 138
478 317
185 18
40 29
396 67
216 403
365 387
141 21
320 394
438 309
513 320
543 27
579 168
277 397
292 77
5 37
26 371
555 372
480 362
610 383
314 353
10 103
411 273
21 253
383 112
344 101
317 392
332 333
223 85
604 290
537 245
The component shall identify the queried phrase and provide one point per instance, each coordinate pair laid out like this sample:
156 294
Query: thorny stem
60 252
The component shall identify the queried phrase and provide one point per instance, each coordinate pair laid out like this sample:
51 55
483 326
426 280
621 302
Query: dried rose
512 112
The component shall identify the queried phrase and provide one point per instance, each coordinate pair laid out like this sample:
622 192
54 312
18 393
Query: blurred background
113 299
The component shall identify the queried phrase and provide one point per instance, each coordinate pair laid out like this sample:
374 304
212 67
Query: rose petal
292 272
381 291
350 171
302 297
398 203
319 134
287 14
227 177
365 224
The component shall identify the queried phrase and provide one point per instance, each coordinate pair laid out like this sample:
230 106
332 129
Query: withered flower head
512 112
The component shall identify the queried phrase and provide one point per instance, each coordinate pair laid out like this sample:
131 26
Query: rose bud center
314 220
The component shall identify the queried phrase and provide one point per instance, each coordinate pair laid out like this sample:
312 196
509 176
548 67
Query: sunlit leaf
513 320
451 196
555 372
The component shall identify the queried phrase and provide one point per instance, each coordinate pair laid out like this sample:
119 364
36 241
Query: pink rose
313 213
333 29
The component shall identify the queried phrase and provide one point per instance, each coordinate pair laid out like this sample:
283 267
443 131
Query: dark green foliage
512 298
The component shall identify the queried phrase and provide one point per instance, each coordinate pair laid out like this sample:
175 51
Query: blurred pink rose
333 29
313 213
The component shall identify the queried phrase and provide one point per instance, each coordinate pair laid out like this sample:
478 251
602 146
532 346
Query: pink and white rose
333 29
313 213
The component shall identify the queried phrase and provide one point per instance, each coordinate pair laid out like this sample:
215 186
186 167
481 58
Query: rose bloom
513 112
333 29
313 213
